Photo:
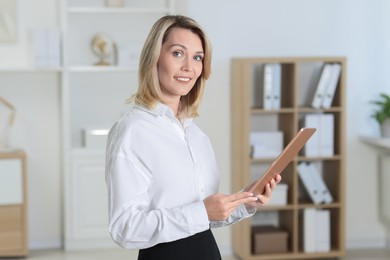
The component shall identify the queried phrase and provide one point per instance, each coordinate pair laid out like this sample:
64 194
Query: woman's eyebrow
183 46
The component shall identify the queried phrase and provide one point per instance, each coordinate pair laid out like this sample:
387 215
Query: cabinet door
87 214
11 186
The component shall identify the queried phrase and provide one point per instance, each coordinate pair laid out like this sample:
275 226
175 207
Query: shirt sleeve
240 213
131 223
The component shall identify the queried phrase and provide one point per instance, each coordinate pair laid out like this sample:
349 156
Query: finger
238 202
272 184
278 178
267 190
239 196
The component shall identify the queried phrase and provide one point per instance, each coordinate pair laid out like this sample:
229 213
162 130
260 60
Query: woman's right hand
220 206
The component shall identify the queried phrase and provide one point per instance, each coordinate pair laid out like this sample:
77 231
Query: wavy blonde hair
149 91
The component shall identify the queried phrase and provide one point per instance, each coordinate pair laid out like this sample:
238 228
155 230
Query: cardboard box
269 239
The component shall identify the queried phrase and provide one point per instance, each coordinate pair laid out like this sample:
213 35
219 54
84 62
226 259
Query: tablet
284 158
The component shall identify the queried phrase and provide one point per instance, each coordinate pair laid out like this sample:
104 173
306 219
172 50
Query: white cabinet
86 202
94 97
13 205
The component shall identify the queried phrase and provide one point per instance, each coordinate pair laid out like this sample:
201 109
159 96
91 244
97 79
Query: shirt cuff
198 219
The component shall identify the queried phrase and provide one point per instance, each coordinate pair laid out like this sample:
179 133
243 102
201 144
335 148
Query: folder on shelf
266 144
326 196
322 85
322 143
316 230
46 50
309 230
332 85
310 183
323 230
276 87
268 86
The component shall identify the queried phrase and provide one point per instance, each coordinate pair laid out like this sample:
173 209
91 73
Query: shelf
377 142
299 158
279 111
29 70
102 69
115 10
314 110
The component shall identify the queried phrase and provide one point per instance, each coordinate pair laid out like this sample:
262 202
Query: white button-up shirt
158 172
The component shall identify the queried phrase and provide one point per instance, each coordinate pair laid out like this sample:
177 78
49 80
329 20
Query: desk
382 145
13 204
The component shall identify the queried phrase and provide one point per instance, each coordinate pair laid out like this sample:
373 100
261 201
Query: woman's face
180 63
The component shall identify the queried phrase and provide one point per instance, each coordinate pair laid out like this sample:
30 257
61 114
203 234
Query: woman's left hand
263 199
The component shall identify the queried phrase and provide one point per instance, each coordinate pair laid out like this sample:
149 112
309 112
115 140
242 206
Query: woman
161 173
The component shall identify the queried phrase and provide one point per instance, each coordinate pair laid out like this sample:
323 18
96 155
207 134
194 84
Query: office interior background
356 29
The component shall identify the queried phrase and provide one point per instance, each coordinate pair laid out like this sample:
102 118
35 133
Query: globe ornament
103 47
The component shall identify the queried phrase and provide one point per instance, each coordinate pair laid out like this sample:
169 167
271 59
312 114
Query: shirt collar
160 109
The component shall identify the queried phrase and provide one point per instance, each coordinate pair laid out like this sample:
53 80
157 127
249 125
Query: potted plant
382 114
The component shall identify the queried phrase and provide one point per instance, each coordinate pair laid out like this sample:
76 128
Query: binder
266 144
38 38
324 193
322 142
268 86
321 86
310 183
323 230
332 85
276 88
326 134
53 47
309 230
312 147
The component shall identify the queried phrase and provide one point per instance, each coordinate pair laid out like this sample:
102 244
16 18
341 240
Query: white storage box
279 195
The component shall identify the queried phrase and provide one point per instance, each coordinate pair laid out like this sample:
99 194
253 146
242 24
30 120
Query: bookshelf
94 97
299 77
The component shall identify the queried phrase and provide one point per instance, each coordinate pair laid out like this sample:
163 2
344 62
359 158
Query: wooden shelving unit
299 78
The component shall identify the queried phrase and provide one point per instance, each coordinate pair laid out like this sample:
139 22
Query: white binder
276 92
268 86
310 183
321 86
332 85
326 196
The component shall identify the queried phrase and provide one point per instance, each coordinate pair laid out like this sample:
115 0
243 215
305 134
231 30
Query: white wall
37 125
357 29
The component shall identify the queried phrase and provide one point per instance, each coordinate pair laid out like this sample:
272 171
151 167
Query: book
321 86
332 85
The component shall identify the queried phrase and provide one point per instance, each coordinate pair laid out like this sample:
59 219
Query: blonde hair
149 91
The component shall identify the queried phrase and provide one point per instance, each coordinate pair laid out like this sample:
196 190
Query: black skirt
201 246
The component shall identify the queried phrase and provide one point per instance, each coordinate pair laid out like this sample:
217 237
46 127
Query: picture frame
7 21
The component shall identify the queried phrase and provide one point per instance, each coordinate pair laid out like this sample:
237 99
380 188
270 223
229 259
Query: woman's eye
177 54
198 58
